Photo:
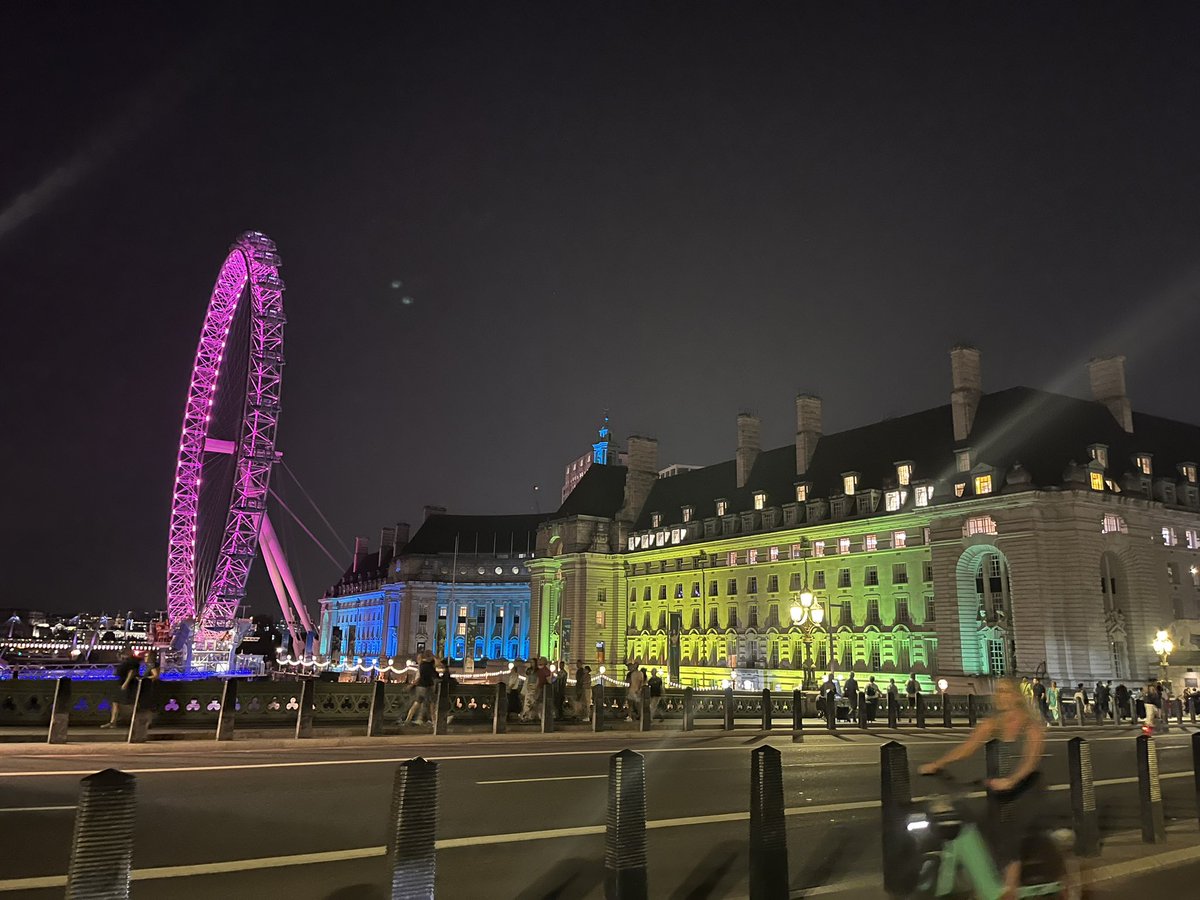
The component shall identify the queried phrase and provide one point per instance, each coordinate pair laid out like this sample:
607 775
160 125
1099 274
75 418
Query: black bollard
143 712
893 705
1149 792
797 716
102 843
308 703
895 798
228 713
862 710
441 707
598 706
1086 820
412 831
500 709
625 831
947 720
643 723
729 709
60 712
547 709
689 710
972 712
1179 713
768 830
1196 766
920 710
766 709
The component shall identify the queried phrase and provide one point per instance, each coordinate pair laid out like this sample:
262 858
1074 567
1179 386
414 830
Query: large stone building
461 582
1004 532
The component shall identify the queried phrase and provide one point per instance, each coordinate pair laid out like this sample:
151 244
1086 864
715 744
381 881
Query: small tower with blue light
600 449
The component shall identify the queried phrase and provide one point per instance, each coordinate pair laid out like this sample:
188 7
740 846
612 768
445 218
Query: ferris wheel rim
250 270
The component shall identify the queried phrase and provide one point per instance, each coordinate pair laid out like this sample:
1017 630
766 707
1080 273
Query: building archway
985 611
1114 597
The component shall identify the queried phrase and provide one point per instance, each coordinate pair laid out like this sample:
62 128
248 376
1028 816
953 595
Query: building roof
600 492
476 534
1042 431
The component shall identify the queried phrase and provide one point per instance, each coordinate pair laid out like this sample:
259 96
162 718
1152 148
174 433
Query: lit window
633 542
676 535
1193 539
924 494
1170 538
849 483
774 554
600 618
733 557
752 556
899 539
871 542
891 501
1099 453
983 484
1142 461
818 548
760 500
844 545
687 513
979 525
722 506
655 520
1114 525
960 489
963 460
1097 480
797 551
801 493
904 474
1189 472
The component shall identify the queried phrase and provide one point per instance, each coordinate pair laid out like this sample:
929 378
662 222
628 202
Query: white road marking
549 778
15 809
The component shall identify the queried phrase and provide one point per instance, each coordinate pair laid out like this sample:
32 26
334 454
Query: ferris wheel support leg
285 572
285 607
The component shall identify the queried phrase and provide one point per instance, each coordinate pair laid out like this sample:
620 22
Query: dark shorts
1020 819
127 695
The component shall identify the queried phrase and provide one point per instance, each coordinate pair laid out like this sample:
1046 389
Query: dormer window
904 471
802 492
688 511
849 483
962 459
1099 453
655 520
960 489
983 484
1096 479
1142 461
722 507
760 499
1188 471
893 500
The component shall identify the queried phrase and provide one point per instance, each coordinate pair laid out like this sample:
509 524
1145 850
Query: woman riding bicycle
1021 736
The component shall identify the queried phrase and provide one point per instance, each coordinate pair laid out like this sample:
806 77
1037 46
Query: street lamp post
808 614
1163 646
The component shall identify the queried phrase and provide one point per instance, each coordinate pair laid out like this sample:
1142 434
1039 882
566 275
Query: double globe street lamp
808 614
1164 647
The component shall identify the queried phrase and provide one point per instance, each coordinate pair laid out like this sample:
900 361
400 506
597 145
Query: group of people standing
870 695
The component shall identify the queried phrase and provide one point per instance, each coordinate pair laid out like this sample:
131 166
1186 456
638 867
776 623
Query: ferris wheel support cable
296 518
313 503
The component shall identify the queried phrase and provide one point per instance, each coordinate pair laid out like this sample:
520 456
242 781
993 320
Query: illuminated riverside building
994 535
461 583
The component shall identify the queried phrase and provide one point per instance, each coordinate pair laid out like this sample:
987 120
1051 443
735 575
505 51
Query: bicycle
955 859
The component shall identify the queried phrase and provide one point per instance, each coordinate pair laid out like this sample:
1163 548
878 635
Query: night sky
670 211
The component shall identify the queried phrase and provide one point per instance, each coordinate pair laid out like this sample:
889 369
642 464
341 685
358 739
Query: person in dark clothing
850 690
127 674
1121 695
656 694
871 696
912 689
1039 697
423 692
1103 694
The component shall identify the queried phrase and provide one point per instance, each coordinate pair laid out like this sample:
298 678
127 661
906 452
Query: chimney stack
748 427
387 545
642 472
1107 375
401 535
808 430
360 553
434 511
967 377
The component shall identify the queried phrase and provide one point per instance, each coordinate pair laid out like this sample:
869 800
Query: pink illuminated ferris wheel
227 452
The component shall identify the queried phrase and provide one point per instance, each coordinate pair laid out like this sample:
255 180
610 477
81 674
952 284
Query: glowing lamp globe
818 615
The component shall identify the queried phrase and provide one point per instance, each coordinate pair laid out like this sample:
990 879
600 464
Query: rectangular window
695 589
732 588
655 520
846 613
819 580
1170 538
873 611
843 578
960 489
760 500
797 551
924 494
646 593
1195 572
930 610
1113 524
892 501
752 585
662 592
871 576
904 474
722 507
1097 480
773 553
983 484
899 540
752 617
1173 572
752 556
902 614
849 483
899 573
679 590
844 545
927 571
600 618
712 588
963 458
687 513
772 584
979 525
1193 539
818 548
871 542
1143 464
712 618
801 493
733 623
